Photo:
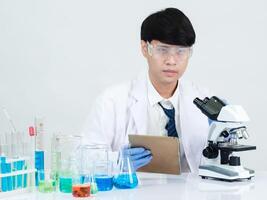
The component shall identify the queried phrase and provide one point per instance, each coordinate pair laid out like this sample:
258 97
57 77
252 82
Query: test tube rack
17 173
12 184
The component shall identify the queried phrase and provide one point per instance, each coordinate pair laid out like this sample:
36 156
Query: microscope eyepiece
198 102
211 107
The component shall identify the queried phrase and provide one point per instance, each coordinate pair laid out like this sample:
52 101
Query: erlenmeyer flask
126 177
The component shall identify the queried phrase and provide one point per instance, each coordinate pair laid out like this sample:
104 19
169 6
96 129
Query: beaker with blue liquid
95 161
103 175
125 177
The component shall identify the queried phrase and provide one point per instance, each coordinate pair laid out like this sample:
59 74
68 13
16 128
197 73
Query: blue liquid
17 181
85 179
39 164
3 170
104 182
126 181
65 184
39 160
9 178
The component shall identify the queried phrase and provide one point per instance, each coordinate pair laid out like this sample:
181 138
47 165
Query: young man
158 102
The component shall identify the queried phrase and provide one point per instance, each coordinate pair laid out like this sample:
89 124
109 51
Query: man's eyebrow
163 45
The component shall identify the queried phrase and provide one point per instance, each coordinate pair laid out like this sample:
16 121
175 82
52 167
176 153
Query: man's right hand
138 155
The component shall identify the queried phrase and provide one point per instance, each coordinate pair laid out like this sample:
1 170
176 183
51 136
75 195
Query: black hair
169 26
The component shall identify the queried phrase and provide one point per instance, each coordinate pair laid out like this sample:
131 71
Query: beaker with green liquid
68 172
63 149
46 180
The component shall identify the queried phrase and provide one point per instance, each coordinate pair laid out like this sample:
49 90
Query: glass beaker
90 154
63 149
46 181
103 175
81 186
126 177
67 172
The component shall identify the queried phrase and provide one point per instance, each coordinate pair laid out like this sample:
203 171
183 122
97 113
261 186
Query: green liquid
55 165
93 188
65 184
47 186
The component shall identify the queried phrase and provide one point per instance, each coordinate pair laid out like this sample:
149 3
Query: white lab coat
122 110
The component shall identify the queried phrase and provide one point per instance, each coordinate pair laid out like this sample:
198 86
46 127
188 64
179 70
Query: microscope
221 160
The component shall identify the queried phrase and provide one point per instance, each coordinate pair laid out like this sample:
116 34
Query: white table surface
185 186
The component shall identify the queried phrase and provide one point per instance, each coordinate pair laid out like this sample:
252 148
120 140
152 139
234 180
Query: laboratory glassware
125 177
81 186
63 149
68 172
103 174
47 182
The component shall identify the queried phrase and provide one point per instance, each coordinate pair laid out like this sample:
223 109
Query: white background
57 55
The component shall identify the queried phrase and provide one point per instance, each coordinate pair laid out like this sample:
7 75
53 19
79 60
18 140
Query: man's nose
171 59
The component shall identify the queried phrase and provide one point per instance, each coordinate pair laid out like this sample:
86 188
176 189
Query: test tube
9 178
55 158
3 145
11 156
40 133
2 162
39 145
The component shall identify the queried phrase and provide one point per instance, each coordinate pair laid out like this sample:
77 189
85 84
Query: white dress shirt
157 119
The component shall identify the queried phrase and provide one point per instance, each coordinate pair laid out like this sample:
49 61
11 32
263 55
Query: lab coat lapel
138 108
193 126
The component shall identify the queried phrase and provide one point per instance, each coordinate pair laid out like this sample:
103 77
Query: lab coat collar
138 88
154 97
138 107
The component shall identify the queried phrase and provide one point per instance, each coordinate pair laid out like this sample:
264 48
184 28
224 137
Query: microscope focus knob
225 134
234 161
210 152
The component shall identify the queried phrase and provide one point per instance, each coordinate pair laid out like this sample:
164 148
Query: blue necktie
170 126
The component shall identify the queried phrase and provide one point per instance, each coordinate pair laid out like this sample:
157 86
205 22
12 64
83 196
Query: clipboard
165 151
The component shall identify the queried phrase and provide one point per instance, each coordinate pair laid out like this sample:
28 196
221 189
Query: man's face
167 63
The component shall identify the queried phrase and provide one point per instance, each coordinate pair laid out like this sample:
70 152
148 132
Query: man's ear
144 48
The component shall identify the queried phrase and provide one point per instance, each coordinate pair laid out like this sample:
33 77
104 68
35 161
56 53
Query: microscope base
225 172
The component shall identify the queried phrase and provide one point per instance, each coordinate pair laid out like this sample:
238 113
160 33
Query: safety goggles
165 51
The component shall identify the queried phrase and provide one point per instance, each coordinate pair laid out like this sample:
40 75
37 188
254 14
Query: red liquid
81 190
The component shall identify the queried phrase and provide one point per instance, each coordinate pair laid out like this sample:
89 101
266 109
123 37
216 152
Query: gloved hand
138 155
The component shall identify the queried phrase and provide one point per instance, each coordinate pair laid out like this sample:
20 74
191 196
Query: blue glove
138 155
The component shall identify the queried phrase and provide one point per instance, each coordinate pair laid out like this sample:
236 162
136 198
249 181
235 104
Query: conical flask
125 177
